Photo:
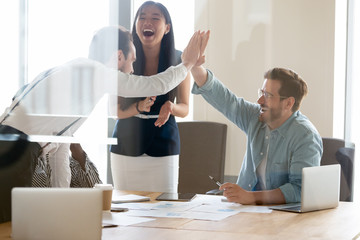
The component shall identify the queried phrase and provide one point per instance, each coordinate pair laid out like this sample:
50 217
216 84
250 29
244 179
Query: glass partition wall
41 35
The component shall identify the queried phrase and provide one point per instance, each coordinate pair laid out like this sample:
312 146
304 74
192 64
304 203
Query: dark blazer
137 136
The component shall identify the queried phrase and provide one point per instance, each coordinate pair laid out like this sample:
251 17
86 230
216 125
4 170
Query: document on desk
238 208
187 214
134 206
174 206
122 219
203 207
221 201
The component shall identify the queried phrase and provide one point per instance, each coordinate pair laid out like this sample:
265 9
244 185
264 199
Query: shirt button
267 137
249 185
261 153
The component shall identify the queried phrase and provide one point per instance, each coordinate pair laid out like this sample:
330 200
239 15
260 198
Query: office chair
16 169
336 152
202 153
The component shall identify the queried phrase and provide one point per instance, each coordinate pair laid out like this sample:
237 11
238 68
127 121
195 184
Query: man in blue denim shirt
280 140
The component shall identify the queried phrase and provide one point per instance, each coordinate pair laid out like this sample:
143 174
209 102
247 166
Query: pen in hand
215 181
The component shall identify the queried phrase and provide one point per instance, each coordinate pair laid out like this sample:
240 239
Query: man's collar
284 127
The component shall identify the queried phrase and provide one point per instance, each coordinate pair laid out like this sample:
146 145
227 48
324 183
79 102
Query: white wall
249 37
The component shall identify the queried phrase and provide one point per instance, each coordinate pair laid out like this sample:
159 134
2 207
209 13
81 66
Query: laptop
320 190
56 213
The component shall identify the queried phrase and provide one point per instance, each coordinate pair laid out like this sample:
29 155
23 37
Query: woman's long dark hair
167 51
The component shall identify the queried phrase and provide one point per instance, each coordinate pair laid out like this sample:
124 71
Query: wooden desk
340 223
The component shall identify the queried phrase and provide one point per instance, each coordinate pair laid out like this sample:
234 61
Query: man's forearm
274 196
199 75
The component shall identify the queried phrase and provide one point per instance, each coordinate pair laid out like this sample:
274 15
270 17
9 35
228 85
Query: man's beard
261 119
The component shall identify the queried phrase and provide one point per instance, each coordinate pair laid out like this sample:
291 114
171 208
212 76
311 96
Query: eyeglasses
267 95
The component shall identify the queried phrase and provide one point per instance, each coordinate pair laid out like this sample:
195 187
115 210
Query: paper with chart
203 207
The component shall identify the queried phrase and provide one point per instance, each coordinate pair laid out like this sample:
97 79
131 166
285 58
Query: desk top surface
342 222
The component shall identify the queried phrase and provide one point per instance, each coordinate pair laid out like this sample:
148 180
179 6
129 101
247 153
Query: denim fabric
292 146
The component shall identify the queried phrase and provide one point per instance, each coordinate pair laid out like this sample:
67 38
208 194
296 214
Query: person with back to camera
280 139
17 164
83 171
147 154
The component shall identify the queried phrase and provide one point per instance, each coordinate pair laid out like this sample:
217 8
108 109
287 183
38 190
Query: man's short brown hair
107 40
292 85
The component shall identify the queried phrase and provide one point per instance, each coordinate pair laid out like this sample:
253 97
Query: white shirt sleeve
76 87
127 85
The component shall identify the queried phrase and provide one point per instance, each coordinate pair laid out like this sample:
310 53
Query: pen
215 181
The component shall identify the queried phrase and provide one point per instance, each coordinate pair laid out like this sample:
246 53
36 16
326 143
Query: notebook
56 213
320 189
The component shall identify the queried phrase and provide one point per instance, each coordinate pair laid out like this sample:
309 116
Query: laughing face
151 26
274 108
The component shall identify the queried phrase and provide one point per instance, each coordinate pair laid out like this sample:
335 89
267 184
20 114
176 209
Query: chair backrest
16 168
337 151
202 153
